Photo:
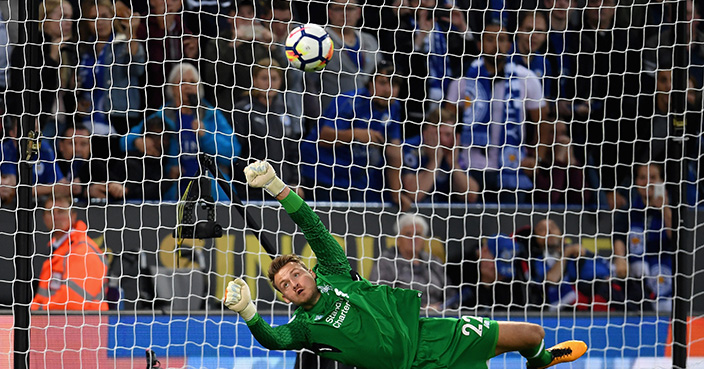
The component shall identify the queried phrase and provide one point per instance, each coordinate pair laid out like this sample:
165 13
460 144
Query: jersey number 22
473 323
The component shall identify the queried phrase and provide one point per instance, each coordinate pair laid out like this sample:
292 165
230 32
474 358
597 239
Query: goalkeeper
355 322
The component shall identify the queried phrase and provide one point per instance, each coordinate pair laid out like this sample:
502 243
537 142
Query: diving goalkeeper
355 322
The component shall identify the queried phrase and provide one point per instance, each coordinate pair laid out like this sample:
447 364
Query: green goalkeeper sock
537 356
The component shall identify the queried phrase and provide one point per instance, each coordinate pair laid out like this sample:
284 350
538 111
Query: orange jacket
74 277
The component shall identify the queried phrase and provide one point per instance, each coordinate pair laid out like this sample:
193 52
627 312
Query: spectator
5 52
141 7
112 62
425 39
409 266
356 145
397 43
354 58
654 126
497 286
643 249
73 157
529 48
645 18
263 128
8 184
58 61
485 12
196 127
73 152
603 94
654 130
73 278
547 257
207 17
599 61
561 58
490 273
245 42
46 178
660 47
565 274
441 36
145 176
558 176
292 86
126 16
167 42
434 165
498 135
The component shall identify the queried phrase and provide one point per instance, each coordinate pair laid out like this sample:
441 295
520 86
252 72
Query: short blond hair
279 262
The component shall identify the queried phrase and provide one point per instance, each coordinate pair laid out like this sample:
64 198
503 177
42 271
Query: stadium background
216 338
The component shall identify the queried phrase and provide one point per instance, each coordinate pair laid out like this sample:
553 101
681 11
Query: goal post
24 246
683 215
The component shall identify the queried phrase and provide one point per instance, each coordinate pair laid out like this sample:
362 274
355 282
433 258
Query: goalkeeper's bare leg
527 339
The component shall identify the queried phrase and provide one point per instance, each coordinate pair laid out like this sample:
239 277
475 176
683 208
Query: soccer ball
309 47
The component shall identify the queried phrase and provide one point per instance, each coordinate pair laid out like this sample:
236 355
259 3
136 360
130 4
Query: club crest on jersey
324 288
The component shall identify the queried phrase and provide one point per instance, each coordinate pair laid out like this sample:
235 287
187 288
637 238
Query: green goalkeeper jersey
354 322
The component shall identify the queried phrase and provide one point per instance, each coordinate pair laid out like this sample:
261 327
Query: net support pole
209 163
677 173
22 285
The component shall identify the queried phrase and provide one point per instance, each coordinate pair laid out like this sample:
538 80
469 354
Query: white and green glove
239 299
260 174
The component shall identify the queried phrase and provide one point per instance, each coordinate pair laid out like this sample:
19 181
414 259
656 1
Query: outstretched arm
331 257
292 336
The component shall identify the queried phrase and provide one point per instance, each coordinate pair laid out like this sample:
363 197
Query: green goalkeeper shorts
468 342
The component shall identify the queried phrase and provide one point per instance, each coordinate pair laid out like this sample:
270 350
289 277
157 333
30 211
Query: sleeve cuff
254 320
292 202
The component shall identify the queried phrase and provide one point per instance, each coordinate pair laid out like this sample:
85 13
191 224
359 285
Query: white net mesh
517 160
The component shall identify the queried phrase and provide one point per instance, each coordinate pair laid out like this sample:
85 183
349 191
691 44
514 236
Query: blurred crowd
539 266
546 102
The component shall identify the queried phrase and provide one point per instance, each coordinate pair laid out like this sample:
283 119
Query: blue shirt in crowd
587 267
650 249
45 171
356 165
414 160
185 143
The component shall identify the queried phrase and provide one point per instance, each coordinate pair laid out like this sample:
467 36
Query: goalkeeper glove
239 299
260 174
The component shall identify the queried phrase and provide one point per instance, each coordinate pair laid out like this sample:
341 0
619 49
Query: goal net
534 160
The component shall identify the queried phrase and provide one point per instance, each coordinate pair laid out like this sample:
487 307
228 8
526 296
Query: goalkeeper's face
297 285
